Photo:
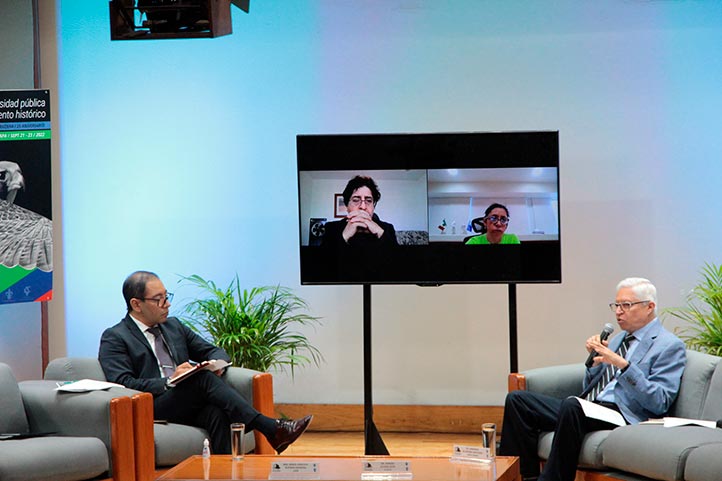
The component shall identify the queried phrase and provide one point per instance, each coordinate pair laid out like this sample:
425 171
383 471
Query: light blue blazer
650 384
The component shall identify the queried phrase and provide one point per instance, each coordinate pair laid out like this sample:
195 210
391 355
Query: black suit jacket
333 230
127 358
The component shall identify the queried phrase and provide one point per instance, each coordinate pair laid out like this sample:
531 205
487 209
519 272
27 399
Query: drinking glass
488 436
237 432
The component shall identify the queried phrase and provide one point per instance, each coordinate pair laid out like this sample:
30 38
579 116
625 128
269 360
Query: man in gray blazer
147 348
636 373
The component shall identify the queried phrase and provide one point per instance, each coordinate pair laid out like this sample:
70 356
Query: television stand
373 443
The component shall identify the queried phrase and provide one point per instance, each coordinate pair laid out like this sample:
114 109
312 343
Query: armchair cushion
695 386
62 459
74 369
655 451
176 442
590 455
704 463
557 381
13 418
712 407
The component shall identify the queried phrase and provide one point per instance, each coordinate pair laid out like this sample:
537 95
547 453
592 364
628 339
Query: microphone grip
590 359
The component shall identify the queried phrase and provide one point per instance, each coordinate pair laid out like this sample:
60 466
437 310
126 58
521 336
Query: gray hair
642 288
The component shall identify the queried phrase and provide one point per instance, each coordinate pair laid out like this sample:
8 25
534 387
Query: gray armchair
642 452
92 433
168 444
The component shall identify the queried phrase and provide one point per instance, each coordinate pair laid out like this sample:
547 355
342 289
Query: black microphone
608 329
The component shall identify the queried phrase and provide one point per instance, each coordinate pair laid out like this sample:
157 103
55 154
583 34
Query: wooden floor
398 444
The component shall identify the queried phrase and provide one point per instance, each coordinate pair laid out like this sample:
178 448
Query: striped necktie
609 370
161 352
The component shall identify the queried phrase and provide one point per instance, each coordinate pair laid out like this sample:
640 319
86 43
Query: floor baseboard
396 417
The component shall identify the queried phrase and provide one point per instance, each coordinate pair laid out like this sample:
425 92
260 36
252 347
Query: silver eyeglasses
624 306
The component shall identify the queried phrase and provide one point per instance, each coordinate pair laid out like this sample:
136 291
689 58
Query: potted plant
254 326
703 313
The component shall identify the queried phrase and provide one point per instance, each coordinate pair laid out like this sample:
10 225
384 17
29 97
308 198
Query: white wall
179 156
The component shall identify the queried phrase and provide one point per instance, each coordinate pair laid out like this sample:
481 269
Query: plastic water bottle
206 448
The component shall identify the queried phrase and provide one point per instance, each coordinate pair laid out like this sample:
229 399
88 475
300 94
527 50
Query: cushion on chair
74 369
704 463
557 381
712 409
176 442
13 418
61 459
695 385
655 451
66 412
590 455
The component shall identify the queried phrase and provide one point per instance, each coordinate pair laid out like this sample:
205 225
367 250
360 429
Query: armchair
642 452
161 445
92 434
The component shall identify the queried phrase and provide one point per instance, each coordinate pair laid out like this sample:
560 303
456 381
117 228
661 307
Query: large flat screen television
412 208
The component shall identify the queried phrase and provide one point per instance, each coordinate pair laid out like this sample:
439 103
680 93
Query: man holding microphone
636 373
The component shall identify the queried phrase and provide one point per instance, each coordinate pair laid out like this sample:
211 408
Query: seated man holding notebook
637 374
147 349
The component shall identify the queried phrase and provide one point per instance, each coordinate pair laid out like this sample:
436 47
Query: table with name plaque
342 468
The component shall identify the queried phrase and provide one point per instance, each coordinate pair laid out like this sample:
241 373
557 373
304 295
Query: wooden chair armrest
263 403
517 382
144 436
121 439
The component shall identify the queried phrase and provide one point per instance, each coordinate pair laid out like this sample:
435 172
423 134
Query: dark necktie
609 370
161 352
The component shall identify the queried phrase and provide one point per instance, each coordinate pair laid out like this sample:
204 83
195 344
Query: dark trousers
526 414
204 400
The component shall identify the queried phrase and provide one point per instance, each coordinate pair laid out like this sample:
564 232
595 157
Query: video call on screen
434 190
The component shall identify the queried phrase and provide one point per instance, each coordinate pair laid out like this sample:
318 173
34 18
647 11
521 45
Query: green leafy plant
254 326
703 313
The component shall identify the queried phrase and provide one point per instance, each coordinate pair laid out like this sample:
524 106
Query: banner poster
26 228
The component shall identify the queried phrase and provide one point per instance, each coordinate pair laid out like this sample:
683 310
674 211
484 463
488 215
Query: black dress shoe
287 431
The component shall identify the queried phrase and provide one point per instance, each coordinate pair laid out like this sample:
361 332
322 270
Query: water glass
488 437
237 435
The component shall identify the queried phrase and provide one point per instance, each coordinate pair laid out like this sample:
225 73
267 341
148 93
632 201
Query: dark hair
358 182
134 285
495 206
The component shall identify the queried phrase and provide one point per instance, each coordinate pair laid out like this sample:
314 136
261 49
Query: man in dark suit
361 227
637 373
147 348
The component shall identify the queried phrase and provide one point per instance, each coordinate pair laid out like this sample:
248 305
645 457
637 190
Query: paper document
596 411
672 422
85 385
212 365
